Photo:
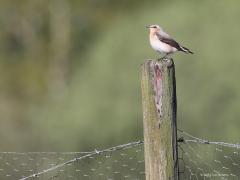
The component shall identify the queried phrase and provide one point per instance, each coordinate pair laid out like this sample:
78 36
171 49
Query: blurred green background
70 70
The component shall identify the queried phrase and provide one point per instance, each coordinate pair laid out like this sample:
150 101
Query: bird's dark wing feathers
173 43
169 41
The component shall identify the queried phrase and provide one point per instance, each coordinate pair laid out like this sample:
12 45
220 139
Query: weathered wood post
159 120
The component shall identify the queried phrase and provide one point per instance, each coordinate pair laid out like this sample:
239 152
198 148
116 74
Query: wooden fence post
159 120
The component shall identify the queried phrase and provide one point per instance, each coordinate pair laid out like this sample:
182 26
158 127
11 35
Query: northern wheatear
163 43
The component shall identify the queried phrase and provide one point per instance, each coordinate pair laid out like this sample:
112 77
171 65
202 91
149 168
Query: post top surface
163 62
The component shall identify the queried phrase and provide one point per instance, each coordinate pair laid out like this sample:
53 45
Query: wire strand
95 152
203 141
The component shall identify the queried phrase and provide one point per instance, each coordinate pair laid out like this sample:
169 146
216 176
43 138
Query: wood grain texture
159 120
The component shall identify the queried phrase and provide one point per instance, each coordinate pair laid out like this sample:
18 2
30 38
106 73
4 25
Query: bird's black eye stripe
154 26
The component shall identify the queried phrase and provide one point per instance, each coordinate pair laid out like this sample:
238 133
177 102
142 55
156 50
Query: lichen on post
159 119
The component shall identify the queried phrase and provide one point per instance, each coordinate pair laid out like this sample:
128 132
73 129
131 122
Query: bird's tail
186 50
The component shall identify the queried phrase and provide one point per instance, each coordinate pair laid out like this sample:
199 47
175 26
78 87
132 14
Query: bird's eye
154 26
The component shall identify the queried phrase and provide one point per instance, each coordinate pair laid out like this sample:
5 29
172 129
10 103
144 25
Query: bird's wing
169 41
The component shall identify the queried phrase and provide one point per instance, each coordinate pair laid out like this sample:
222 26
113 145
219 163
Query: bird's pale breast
159 46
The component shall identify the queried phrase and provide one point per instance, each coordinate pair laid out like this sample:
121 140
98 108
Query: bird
161 42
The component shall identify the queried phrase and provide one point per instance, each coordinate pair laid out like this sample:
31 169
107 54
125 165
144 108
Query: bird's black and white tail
186 50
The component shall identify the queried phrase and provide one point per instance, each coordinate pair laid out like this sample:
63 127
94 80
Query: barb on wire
92 153
203 141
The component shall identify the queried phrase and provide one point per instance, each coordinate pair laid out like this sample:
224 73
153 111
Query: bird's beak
148 26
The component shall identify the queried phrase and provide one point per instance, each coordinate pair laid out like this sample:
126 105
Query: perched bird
163 43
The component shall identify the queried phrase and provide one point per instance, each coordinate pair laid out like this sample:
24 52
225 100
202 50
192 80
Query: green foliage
100 97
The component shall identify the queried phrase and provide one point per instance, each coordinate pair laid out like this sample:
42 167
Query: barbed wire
203 141
48 152
92 153
204 159
185 139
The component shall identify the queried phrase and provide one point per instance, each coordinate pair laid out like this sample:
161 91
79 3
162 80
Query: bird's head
154 28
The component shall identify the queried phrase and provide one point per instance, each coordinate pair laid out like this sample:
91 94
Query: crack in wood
157 81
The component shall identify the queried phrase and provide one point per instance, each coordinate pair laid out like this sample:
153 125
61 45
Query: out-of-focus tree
60 45
41 44
78 50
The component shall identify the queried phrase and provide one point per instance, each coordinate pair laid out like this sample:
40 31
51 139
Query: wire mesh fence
198 159
120 162
203 159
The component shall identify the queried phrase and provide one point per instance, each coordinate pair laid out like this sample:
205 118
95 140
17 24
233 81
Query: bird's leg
164 57
167 59
161 58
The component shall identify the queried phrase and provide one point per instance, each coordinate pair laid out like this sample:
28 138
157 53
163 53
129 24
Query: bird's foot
165 58
161 58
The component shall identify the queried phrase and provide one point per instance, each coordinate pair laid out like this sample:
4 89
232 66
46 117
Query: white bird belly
161 47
